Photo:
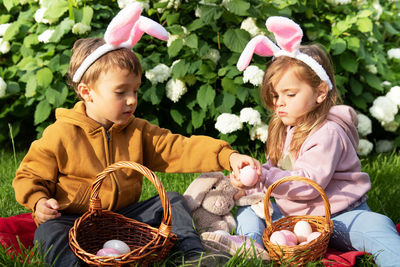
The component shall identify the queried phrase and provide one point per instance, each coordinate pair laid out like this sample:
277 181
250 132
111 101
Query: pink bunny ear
261 45
287 33
121 25
149 26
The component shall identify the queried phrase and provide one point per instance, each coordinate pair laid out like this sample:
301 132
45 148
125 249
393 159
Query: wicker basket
299 254
96 226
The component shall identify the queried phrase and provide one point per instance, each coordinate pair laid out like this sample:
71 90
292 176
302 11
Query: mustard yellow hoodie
64 163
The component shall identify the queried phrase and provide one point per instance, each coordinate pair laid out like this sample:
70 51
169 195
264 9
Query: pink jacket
328 156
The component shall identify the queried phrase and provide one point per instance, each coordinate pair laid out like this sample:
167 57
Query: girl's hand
46 209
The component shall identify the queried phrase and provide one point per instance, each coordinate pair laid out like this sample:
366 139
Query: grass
383 170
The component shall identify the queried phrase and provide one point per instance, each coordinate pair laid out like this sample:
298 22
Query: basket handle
301 179
95 202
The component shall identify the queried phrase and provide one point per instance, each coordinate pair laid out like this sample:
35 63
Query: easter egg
278 238
111 252
313 236
248 176
302 230
291 243
290 236
118 245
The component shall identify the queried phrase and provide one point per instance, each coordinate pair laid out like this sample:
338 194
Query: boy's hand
46 209
239 194
237 162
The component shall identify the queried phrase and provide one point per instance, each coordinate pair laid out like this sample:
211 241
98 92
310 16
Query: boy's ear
323 90
85 92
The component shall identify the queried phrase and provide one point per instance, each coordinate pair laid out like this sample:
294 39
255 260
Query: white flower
171 4
384 146
372 69
394 53
198 12
3 28
386 83
260 132
4 46
364 147
80 28
158 74
394 95
124 3
251 116
364 126
213 55
254 75
383 109
227 123
378 8
175 89
172 38
390 126
3 87
339 2
250 26
45 36
39 16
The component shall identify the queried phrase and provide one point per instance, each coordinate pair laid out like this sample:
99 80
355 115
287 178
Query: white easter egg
248 176
111 252
313 236
290 236
118 245
302 230
278 238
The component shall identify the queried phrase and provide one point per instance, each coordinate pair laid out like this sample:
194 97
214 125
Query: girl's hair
122 58
311 121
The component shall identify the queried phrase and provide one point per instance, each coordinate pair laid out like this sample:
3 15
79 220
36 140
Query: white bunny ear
261 45
120 27
287 33
149 26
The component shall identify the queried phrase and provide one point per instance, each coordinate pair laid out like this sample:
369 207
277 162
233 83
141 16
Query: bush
199 80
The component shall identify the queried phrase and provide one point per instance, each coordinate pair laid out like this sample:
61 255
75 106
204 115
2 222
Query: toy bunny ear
149 26
287 33
261 45
120 27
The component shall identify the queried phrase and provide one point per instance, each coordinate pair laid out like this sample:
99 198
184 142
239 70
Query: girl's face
113 97
293 98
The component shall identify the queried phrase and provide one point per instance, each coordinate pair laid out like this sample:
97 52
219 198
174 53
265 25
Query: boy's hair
122 58
311 121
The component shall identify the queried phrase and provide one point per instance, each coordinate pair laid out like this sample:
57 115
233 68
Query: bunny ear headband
288 36
125 30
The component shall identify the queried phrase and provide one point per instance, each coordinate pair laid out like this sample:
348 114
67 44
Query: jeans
359 229
53 234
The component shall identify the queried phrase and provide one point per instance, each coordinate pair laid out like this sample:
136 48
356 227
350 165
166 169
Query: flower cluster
4 45
250 26
394 53
158 74
364 147
384 109
175 88
45 36
364 126
3 87
253 75
123 3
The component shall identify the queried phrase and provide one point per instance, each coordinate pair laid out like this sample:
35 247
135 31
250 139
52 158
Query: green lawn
384 170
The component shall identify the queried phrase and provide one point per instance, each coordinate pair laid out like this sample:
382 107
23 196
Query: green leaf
11 31
157 94
180 69
28 64
228 85
64 27
356 86
198 118
177 116
30 40
242 93
173 18
205 96
359 102
87 15
192 41
54 9
31 85
348 62
10 4
353 43
44 77
236 39
175 47
13 87
373 81
364 13
42 112
225 102
364 25
390 29
194 66
338 45
238 7
210 14
195 25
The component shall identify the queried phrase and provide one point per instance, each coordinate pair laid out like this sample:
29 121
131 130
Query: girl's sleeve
317 160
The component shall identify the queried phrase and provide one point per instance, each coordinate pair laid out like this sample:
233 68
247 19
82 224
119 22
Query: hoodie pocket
73 197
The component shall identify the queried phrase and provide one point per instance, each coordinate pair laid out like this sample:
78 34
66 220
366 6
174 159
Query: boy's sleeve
168 152
37 173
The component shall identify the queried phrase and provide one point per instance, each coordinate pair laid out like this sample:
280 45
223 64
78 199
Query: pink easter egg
278 238
291 243
111 252
290 236
302 230
303 243
313 236
248 176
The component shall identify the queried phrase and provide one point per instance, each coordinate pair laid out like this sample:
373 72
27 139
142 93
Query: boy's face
113 97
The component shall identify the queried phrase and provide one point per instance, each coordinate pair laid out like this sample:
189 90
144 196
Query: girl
310 136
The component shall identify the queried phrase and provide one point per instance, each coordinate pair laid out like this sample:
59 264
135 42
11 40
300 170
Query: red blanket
24 227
